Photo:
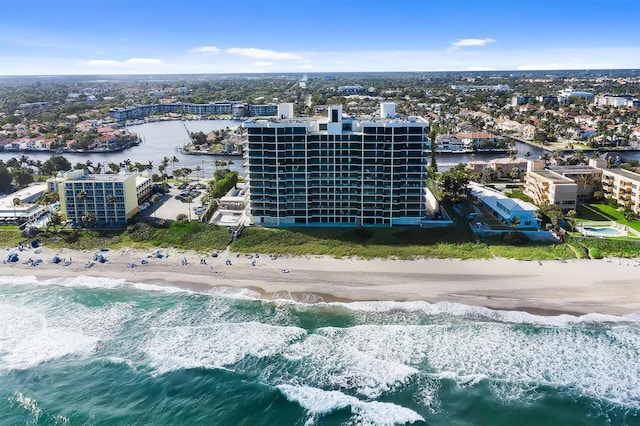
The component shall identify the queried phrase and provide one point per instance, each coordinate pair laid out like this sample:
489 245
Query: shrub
595 253
182 218
140 231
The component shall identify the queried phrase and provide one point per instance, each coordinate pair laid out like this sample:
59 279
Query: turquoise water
105 352
611 232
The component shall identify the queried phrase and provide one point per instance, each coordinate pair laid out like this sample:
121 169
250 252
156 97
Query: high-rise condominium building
338 170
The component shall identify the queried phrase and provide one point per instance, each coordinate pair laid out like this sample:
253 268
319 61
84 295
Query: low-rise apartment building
112 199
549 187
622 185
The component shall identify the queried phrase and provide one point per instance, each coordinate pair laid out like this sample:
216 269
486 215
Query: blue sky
200 36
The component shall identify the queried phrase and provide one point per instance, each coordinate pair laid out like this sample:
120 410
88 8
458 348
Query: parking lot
168 207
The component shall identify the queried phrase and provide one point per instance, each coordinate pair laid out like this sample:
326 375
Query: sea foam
215 346
482 313
318 402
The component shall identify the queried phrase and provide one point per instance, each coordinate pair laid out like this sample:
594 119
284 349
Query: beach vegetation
10 235
189 236
606 247
401 243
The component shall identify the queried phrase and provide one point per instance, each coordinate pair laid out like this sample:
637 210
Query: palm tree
16 202
114 167
161 169
89 219
82 195
546 158
198 169
24 160
111 200
127 164
558 155
629 215
585 180
174 160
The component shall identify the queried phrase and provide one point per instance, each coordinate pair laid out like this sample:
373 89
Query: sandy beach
608 286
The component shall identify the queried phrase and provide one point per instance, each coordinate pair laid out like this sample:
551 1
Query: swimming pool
605 231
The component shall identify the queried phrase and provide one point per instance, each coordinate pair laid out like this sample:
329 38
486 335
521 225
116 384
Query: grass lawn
591 213
616 215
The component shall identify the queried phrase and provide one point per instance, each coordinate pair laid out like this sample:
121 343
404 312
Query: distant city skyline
44 37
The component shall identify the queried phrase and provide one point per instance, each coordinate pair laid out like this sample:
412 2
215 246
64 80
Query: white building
511 211
24 208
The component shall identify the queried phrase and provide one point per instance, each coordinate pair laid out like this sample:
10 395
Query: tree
454 183
551 212
22 177
432 170
16 202
89 220
174 160
54 164
161 169
514 174
546 157
198 169
629 215
82 195
114 167
55 220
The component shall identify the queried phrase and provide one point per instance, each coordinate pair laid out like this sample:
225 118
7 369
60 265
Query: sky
61 37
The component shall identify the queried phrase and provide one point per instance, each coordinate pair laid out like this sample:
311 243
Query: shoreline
546 288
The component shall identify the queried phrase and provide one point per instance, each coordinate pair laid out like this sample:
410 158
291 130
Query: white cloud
136 61
253 53
480 69
262 64
121 64
103 63
204 49
471 42
446 59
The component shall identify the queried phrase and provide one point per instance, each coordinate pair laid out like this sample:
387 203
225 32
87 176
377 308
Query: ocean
96 351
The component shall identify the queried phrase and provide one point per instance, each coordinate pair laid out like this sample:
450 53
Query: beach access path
607 286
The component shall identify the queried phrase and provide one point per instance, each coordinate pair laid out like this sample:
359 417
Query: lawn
590 213
616 215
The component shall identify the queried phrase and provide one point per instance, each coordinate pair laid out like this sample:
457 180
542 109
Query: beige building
111 198
547 186
622 185
588 179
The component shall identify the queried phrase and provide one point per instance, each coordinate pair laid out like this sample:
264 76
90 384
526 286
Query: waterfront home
478 140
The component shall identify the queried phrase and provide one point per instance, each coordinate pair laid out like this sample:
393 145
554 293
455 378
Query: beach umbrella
56 259
35 244
12 257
